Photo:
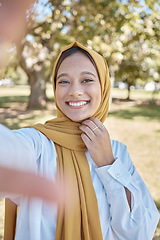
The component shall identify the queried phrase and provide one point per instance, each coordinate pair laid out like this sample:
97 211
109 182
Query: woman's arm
98 143
17 167
141 220
133 214
26 183
15 152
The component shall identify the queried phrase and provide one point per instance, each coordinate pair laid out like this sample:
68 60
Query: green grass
141 133
136 123
135 94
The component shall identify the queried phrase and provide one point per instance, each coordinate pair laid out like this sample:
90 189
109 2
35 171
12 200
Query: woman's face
78 90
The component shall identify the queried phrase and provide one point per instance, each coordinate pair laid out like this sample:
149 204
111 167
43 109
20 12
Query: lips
77 103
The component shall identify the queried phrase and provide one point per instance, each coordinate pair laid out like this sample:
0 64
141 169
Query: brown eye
63 82
87 80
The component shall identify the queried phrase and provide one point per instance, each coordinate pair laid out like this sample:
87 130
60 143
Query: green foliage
126 33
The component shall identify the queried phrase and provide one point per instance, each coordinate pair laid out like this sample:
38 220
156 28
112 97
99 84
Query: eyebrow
84 72
62 75
89 73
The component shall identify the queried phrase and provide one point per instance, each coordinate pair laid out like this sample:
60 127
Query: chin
78 119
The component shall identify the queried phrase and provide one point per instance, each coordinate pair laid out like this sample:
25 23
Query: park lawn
134 123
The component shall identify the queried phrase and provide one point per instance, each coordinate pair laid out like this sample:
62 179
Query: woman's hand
97 140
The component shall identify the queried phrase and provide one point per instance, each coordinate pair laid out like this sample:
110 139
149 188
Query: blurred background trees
125 32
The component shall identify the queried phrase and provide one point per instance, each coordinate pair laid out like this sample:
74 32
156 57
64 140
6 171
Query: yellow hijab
81 222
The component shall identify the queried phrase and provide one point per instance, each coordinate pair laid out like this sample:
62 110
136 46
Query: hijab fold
82 222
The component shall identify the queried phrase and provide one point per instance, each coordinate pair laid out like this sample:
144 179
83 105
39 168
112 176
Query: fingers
92 127
97 140
98 123
93 131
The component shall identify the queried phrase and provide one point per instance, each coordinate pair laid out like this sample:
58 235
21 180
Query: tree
142 46
117 30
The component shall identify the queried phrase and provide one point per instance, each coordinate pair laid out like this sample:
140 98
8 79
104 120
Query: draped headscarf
81 222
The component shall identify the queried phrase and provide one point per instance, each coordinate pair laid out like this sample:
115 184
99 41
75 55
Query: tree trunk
37 83
129 91
35 70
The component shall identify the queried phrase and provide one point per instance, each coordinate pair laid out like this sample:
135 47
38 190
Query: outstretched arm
17 170
30 184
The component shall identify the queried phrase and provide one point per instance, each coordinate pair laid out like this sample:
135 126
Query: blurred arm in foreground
26 183
13 25
12 30
17 173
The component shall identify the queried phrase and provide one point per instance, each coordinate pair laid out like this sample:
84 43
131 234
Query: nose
75 90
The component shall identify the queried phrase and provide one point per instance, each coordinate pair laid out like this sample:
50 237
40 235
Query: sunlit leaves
125 32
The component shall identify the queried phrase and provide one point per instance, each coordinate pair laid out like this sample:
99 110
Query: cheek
60 95
97 94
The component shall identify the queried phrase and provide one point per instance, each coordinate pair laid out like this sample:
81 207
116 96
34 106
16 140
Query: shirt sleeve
19 149
140 222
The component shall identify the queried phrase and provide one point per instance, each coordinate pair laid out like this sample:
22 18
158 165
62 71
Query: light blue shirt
28 149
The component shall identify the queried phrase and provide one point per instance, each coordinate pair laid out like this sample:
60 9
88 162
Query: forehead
76 61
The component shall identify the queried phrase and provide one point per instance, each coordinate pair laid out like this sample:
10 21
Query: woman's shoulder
30 133
35 139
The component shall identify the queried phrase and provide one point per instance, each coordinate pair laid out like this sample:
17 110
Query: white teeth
77 104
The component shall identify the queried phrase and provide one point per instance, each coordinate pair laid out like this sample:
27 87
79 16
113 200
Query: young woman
110 199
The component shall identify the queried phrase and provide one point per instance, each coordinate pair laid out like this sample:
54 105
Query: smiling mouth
77 104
